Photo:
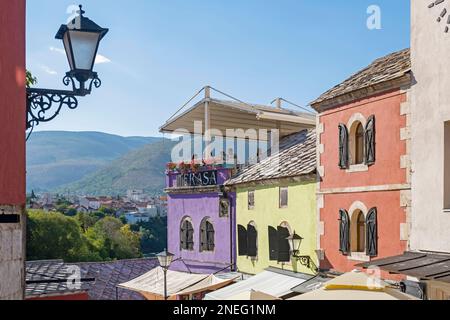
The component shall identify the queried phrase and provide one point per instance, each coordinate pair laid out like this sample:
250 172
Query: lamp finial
81 11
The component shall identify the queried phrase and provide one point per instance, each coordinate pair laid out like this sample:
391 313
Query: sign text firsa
200 179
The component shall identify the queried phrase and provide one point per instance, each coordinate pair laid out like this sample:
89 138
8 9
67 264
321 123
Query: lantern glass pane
68 50
84 46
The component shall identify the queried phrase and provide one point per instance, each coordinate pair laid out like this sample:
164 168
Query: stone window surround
280 190
357 206
286 225
355 119
187 218
251 207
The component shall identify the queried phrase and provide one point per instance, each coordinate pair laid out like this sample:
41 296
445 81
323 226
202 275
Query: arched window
187 234
359 144
207 235
358 234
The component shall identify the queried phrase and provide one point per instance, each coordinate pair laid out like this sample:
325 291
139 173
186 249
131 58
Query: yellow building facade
276 200
298 216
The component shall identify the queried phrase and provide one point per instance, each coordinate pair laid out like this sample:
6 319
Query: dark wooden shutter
252 238
210 235
190 236
242 241
273 244
183 236
343 146
344 232
284 249
372 233
369 140
203 237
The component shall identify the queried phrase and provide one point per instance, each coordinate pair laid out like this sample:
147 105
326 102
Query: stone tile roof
387 68
297 157
109 274
48 278
99 279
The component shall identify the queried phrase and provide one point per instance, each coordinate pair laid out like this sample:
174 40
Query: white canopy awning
268 282
151 284
223 115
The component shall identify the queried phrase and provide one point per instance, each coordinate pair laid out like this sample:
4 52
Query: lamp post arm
44 105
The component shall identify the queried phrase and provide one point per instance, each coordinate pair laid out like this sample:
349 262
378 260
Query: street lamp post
165 259
295 242
81 38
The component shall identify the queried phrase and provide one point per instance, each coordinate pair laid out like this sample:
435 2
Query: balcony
199 174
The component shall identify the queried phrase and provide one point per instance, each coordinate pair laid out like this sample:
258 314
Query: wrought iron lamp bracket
44 105
305 261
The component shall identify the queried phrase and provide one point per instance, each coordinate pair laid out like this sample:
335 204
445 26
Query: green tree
86 220
30 79
55 236
114 240
71 212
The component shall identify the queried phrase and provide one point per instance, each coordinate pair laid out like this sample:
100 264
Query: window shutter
252 238
183 236
273 244
190 236
203 237
344 232
242 241
372 233
343 146
210 235
284 249
283 197
369 140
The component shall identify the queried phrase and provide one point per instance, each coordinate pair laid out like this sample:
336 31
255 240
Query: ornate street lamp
165 259
295 242
81 38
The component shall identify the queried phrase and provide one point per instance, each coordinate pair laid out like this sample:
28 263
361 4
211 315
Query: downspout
232 262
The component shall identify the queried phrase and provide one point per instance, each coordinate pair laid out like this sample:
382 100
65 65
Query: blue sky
160 52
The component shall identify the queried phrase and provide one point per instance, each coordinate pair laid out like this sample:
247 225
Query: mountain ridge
57 158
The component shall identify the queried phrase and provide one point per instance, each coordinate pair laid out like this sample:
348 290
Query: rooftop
49 278
388 68
296 157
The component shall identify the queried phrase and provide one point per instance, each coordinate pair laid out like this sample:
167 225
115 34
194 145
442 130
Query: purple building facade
201 221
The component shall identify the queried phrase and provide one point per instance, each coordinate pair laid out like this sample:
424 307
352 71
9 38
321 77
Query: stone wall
12 265
430 109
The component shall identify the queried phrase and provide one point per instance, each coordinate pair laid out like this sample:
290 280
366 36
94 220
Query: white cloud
48 70
99 59
57 50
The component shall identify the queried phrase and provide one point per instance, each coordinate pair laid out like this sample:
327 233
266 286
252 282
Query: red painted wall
389 148
390 216
12 102
386 171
